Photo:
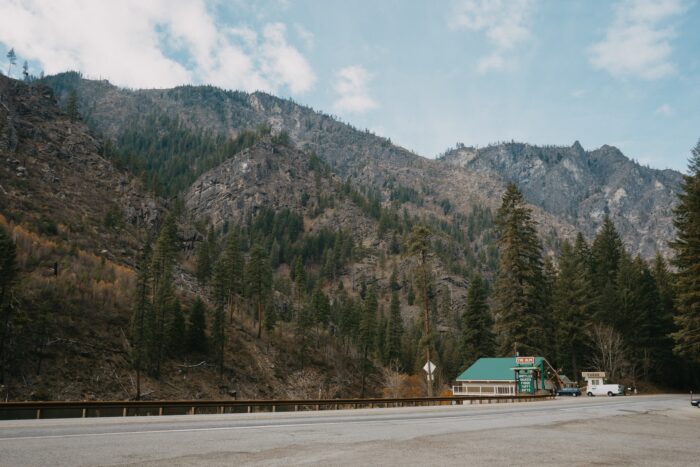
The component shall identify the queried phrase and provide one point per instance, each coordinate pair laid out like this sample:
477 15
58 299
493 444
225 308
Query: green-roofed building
507 376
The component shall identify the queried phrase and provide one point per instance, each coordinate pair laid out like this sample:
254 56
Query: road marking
520 410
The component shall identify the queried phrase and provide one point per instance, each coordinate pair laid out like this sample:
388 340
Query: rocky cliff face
581 187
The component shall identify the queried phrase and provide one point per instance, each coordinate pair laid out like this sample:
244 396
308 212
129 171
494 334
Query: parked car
695 402
574 392
605 389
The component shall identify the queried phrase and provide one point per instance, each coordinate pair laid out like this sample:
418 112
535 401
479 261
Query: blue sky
425 74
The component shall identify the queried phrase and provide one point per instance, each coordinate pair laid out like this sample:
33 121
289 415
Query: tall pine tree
518 292
259 275
572 306
607 251
687 262
8 275
394 330
477 339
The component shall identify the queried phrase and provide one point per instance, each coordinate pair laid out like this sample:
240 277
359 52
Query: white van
605 389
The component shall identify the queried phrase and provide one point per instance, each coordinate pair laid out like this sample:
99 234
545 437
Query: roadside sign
525 382
593 374
429 367
525 360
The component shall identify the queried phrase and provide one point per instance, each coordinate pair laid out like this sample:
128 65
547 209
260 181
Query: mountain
332 205
54 179
79 224
570 189
582 187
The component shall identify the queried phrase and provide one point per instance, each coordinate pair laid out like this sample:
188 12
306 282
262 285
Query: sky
427 74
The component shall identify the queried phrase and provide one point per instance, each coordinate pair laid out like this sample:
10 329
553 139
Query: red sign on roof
525 360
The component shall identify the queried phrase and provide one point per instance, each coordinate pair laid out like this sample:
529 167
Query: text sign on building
525 360
525 382
592 374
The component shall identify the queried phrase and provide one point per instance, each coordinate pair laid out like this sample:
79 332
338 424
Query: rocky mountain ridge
582 187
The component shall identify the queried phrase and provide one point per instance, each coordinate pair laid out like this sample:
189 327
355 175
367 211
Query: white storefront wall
485 388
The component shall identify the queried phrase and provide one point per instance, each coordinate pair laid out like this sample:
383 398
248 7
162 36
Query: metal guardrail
77 409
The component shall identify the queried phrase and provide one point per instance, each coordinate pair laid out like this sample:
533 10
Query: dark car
695 402
575 392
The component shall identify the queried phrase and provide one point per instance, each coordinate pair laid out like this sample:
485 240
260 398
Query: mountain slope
369 161
53 178
79 225
581 187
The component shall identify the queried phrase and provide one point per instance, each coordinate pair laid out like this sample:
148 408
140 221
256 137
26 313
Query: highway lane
414 436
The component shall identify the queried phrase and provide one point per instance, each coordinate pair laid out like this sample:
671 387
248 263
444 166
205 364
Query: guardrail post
84 412
194 410
274 408
38 413
160 410
249 407
125 411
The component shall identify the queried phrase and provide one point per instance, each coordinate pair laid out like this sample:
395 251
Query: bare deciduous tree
608 350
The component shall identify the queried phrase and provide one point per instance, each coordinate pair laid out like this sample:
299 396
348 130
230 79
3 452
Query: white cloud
505 23
306 36
351 87
665 110
156 43
492 62
638 42
282 63
578 93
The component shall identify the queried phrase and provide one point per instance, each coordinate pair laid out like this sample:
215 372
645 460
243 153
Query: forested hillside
196 242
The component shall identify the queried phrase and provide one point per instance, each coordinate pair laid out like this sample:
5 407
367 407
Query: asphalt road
634 430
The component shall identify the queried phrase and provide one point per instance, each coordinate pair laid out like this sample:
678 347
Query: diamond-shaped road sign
429 367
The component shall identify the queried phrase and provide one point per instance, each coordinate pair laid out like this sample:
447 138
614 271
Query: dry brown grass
82 276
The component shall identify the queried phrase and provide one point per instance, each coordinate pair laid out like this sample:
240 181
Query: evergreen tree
259 277
142 305
477 339
394 279
72 106
197 329
394 330
8 265
8 275
177 331
607 250
304 323
233 271
161 269
668 370
219 338
445 306
349 318
687 262
572 306
11 59
367 332
639 317
549 275
205 258
321 308
299 280
518 292
418 245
